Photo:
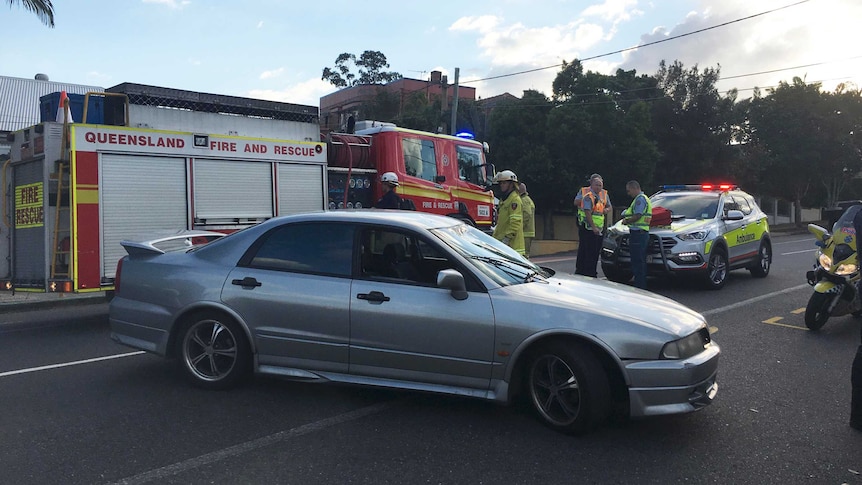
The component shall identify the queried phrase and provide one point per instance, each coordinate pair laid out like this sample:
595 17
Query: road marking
712 330
773 320
799 252
784 325
68 364
160 474
753 300
798 311
791 242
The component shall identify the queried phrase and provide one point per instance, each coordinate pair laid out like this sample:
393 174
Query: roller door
300 188
29 258
141 196
231 192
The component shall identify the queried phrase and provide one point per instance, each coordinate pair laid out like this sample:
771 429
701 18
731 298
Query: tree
369 70
42 8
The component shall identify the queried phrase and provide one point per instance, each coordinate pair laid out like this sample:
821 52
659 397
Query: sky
277 49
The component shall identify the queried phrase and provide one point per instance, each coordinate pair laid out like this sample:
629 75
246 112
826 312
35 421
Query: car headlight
694 236
687 346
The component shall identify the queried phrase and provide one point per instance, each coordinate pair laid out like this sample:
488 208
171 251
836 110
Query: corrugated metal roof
19 99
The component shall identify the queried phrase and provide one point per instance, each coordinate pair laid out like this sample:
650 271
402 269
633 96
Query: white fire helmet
390 178
505 176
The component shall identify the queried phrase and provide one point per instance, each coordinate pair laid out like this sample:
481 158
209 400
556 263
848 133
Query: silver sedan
408 300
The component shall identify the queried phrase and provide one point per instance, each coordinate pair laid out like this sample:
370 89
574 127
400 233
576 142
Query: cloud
260 24
306 92
170 3
614 11
271 74
516 44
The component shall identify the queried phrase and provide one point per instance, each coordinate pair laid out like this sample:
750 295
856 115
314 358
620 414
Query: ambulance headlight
694 236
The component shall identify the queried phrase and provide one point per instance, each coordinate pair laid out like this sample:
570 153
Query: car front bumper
679 256
686 385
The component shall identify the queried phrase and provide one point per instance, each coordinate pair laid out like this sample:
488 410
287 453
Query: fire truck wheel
213 351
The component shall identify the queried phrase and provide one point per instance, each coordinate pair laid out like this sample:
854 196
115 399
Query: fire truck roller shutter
232 192
140 196
300 188
29 258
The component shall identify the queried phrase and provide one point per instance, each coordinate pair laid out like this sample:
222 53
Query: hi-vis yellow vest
643 222
598 209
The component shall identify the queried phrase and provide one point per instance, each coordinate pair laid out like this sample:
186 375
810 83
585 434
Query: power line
642 45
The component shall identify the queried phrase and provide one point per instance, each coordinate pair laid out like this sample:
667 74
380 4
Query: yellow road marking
773 320
768 322
712 330
798 311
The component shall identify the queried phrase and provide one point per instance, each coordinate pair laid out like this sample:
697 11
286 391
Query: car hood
595 306
676 227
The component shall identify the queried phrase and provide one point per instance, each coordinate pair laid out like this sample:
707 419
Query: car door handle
247 282
374 296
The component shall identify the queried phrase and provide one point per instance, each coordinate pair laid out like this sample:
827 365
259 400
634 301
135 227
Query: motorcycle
836 272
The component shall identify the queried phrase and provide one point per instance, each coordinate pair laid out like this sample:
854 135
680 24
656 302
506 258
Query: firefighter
529 209
510 217
594 206
390 200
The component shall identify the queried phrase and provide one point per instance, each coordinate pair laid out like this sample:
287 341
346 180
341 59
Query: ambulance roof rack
144 95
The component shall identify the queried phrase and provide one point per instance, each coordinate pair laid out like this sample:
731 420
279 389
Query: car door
734 231
405 328
292 288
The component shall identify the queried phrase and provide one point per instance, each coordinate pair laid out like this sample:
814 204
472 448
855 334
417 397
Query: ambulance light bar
704 187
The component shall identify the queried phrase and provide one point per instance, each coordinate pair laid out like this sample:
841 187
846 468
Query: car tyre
817 310
568 388
616 275
716 270
764 260
213 351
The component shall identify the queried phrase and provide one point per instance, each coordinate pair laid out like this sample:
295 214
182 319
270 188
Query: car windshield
490 256
690 205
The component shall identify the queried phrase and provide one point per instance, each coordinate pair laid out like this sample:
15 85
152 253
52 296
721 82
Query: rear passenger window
307 248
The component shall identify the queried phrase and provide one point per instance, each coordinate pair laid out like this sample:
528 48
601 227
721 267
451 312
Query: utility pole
455 104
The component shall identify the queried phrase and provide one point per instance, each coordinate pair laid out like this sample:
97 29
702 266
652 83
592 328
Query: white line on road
798 252
792 242
183 466
753 300
67 364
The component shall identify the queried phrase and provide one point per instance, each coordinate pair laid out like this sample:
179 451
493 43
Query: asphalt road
77 408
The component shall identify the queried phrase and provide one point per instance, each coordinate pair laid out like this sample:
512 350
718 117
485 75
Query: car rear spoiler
149 246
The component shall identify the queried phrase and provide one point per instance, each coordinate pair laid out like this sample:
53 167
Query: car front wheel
568 387
213 351
716 270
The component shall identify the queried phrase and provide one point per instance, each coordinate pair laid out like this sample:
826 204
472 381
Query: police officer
637 216
510 217
594 206
390 200
529 210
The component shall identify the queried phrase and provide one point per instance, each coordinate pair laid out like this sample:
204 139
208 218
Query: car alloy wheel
568 388
764 260
213 352
716 270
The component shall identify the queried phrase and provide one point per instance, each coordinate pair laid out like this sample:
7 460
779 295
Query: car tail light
117 276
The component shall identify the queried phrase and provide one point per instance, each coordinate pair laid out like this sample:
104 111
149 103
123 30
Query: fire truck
157 160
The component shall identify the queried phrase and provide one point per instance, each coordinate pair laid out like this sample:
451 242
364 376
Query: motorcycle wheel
817 310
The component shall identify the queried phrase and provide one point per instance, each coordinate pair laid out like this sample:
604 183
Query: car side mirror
440 179
734 215
454 281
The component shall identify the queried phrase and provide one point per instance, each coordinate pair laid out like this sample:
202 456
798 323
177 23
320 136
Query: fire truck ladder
61 252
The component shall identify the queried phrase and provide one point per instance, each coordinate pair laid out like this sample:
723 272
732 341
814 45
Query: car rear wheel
568 387
817 310
213 351
764 260
716 270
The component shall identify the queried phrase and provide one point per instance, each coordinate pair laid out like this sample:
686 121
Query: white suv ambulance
714 229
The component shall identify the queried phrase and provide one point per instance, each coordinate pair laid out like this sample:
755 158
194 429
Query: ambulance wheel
717 270
761 265
213 351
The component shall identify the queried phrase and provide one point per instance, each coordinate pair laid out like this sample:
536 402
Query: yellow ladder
61 267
